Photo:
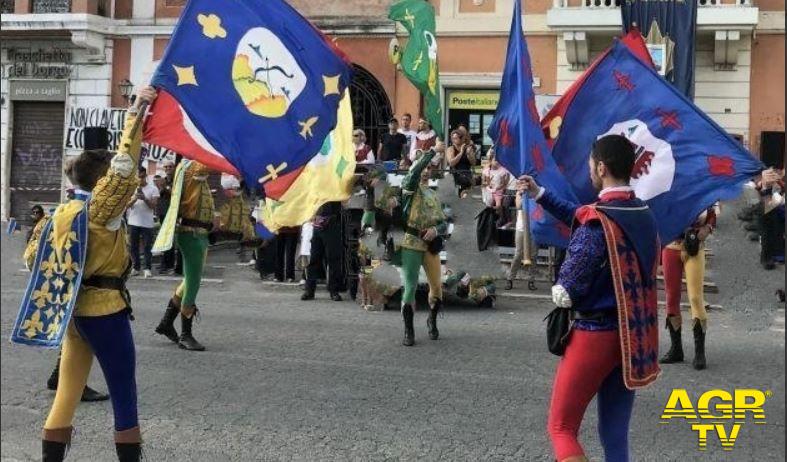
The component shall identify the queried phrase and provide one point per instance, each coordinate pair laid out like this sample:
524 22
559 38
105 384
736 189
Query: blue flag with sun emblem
247 86
520 145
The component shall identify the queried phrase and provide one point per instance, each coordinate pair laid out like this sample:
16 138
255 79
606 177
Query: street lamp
126 89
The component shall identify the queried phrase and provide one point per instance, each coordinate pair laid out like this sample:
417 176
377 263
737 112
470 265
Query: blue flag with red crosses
520 145
249 87
685 161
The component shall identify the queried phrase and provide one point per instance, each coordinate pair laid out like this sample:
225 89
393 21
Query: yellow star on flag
331 85
211 26
185 75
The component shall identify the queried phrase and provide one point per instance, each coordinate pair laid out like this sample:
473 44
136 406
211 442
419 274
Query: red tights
590 366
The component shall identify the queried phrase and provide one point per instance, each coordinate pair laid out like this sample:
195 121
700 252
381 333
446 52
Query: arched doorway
370 104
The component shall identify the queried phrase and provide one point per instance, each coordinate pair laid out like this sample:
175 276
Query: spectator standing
326 248
524 248
165 196
772 219
140 218
286 245
37 216
496 179
461 158
407 131
363 152
425 139
392 144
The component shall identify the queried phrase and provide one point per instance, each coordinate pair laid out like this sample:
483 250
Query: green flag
419 60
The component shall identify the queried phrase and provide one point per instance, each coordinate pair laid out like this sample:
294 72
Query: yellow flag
327 177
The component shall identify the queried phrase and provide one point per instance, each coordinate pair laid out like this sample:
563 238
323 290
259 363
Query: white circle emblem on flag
265 74
654 167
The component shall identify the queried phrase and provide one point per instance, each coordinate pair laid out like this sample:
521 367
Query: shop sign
37 90
39 64
483 100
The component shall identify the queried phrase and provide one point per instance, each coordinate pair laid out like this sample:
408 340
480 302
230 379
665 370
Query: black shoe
431 321
531 285
166 326
509 284
308 295
90 395
128 452
335 297
769 264
754 237
53 451
699 362
187 340
751 227
409 330
675 353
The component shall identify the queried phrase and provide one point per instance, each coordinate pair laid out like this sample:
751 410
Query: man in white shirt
140 219
407 131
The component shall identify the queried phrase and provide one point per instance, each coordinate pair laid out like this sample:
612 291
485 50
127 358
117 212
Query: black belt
188 222
105 282
593 315
112 283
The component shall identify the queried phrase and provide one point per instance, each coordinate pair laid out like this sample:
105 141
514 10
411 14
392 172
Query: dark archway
370 104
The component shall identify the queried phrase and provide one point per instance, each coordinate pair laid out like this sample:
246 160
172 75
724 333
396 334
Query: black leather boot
128 452
128 445
699 362
53 451
187 340
55 444
431 321
167 325
409 330
675 353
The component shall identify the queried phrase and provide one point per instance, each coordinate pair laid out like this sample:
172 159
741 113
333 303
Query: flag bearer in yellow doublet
100 324
193 210
234 222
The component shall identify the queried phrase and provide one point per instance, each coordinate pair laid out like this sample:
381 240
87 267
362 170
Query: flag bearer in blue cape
608 284
77 294
29 257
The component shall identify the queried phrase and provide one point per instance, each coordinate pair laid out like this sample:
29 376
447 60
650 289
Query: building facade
65 63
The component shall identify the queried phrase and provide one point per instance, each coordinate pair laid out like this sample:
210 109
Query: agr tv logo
717 412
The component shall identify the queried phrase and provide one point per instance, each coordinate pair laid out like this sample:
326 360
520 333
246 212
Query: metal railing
610 4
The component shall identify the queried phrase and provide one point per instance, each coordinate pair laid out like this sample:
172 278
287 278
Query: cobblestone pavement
289 380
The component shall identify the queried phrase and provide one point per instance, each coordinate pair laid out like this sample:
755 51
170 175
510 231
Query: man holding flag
603 355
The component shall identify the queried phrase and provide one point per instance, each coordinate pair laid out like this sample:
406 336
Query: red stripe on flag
165 126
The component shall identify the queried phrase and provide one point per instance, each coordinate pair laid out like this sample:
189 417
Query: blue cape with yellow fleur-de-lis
55 278
255 84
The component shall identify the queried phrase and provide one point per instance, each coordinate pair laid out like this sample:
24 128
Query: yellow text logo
718 414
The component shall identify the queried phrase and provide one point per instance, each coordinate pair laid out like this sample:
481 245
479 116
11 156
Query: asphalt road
289 380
